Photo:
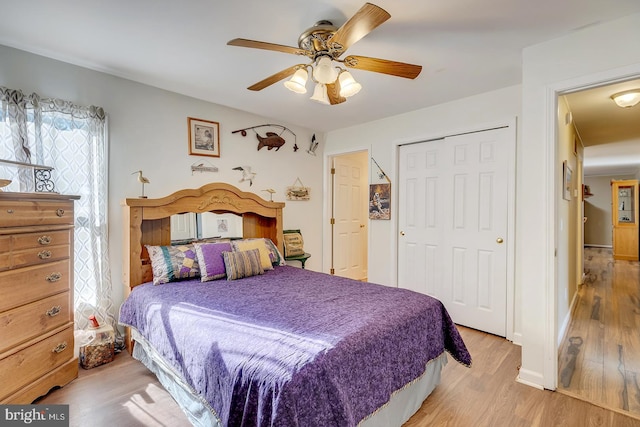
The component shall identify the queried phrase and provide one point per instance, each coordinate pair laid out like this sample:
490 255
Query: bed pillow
274 253
210 260
173 263
242 264
260 245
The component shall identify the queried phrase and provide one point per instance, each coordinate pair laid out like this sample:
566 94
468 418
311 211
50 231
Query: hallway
599 359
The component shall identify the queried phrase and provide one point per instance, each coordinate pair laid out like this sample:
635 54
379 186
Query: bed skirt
400 407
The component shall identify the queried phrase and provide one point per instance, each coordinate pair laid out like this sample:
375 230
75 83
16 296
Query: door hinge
332 221
333 171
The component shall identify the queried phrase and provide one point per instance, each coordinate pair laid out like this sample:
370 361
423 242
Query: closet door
453 204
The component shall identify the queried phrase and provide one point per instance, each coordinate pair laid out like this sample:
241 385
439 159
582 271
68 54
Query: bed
281 347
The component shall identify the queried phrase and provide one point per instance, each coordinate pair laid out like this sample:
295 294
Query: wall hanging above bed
298 191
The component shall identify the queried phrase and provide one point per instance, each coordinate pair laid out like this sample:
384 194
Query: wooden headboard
147 222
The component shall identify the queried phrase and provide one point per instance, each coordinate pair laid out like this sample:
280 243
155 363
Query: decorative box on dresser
36 295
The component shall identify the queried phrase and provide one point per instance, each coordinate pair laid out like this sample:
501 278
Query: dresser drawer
18 287
5 255
31 363
42 255
40 240
28 321
22 213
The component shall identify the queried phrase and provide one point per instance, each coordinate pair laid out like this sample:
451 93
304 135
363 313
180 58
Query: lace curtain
71 139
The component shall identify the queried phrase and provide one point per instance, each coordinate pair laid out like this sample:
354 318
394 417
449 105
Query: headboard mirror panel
148 222
191 226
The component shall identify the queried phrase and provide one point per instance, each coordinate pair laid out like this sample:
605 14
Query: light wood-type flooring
124 393
599 359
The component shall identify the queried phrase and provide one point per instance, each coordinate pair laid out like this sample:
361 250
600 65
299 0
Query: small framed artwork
380 201
298 191
566 181
204 137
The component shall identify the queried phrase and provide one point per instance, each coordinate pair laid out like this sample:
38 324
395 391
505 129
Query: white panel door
350 213
453 203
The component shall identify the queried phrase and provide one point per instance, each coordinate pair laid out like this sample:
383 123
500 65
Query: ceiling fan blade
333 92
275 78
267 46
359 25
394 68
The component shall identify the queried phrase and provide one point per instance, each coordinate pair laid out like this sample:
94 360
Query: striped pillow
242 264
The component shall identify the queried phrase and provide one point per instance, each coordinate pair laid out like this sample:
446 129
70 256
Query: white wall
591 56
148 131
382 138
597 209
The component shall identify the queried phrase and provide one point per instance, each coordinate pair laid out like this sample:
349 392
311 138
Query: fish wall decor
271 139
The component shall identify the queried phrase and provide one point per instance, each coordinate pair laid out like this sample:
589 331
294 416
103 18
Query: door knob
499 240
402 233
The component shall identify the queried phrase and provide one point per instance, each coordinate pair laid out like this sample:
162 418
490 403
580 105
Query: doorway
349 241
598 355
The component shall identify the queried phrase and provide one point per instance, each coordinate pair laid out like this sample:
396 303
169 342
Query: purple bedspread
247 345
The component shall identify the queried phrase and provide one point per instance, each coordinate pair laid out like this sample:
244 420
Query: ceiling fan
324 44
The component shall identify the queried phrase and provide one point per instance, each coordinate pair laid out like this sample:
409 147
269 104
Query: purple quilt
293 347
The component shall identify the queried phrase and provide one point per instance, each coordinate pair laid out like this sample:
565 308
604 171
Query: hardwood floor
600 355
124 393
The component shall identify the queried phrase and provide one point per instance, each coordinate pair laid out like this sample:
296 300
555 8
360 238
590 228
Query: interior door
453 203
350 215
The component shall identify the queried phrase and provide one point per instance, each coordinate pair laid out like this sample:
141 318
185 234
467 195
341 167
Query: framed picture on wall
566 181
380 201
204 137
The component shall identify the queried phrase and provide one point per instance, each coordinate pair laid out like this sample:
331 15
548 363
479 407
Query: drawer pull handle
54 311
44 254
9 211
60 347
60 212
54 277
44 240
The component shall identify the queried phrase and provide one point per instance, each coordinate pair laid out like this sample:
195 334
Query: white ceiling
466 47
610 134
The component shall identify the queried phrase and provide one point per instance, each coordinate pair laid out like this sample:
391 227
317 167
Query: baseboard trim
517 338
530 378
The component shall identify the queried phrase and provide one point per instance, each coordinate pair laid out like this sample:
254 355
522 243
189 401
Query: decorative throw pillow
242 264
172 263
293 244
210 260
260 245
274 253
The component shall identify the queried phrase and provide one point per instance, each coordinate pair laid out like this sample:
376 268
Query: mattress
291 347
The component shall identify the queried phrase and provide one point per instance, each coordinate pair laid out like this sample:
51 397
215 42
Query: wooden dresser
36 295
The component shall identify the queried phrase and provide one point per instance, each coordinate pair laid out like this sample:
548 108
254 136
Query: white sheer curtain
71 139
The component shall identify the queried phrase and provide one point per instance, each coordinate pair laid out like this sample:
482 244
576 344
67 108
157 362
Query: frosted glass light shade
348 85
320 94
298 81
324 71
627 99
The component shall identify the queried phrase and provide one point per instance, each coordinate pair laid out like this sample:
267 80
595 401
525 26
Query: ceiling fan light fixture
348 85
320 94
324 71
626 99
298 81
